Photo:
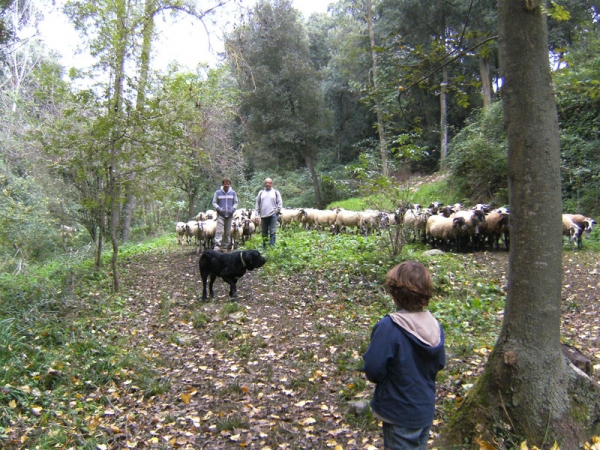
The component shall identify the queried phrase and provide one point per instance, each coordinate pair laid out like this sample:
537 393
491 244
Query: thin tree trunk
147 33
443 87
380 124
128 212
444 115
115 135
101 231
314 177
486 81
191 204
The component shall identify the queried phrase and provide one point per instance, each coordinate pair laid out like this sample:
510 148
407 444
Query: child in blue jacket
404 356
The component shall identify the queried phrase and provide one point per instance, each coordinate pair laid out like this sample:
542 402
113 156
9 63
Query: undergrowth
57 344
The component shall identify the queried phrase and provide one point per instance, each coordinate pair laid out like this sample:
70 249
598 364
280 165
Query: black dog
229 266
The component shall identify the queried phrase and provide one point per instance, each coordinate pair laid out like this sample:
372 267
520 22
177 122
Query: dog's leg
210 286
232 286
204 279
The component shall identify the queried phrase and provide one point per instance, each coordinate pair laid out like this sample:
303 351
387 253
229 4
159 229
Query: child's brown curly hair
410 285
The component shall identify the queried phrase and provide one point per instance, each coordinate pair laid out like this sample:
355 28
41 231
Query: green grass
424 194
435 191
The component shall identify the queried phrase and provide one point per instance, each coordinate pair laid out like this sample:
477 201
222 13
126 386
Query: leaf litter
279 368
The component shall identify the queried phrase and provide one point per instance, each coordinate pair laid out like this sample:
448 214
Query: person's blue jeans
401 438
268 228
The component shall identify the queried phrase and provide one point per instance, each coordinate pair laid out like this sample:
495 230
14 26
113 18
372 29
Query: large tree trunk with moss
528 383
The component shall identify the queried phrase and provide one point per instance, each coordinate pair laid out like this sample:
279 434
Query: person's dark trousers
268 228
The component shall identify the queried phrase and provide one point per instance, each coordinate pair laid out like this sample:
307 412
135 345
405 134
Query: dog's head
253 259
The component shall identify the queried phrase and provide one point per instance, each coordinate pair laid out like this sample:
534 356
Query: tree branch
402 90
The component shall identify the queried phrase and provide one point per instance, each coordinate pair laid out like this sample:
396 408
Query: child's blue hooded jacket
405 354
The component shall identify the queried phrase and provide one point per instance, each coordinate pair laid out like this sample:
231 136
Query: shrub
477 158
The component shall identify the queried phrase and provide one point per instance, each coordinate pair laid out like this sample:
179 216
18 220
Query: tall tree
204 107
345 75
115 29
383 150
527 381
283 109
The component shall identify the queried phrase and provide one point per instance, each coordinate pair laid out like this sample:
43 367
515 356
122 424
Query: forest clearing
280 367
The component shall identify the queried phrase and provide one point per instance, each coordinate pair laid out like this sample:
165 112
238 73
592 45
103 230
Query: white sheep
415 221
347 219
248 229
180 228
585 223
571 229
496 226
470 236
206 233
289 216
191 231
324 219
308 218
372 220
237 233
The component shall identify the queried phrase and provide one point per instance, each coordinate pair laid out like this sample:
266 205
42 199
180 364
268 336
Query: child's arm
381 350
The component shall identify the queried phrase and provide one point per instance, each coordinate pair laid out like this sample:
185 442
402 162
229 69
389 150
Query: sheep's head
459 222
435 206
446 211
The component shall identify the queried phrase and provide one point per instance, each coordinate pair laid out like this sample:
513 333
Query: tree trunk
486 81
100 241
192 205
115 140
114 225
314 177
147 33
527 382
444 115
128 212
444 84
380 124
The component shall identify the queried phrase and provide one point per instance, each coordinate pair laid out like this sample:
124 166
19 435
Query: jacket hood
421 325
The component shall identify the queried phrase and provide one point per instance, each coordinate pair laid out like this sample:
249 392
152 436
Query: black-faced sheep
496 227
248 229
444 231
471 235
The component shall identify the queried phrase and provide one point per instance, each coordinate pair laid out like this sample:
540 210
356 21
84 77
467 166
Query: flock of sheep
450 227
202 228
